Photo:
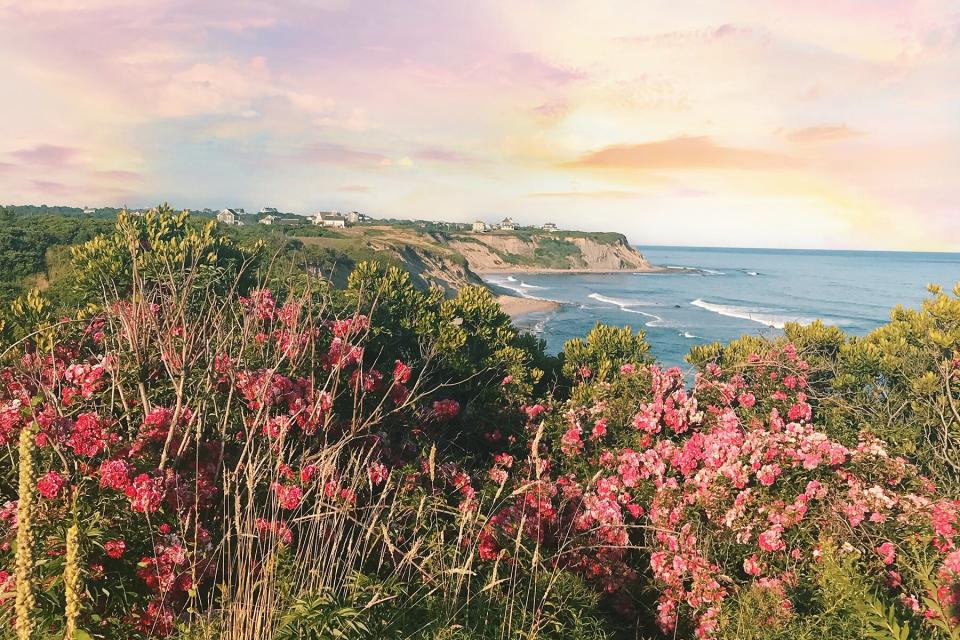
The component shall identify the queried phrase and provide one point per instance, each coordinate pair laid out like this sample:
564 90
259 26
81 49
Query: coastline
535 270
516 307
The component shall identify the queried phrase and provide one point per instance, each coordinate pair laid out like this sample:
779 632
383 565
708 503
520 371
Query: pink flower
770 539
401 372
507 380
378 473
276 528
115 474
599 429
445 410
50 485
288 496
768 474
570 442
627 369
115 548
888 552
146 493
746 400
498 475
534 411
88 436
751 566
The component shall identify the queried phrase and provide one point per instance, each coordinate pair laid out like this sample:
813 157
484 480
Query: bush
220 446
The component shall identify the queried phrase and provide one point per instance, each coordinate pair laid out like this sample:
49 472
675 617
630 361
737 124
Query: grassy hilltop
35 241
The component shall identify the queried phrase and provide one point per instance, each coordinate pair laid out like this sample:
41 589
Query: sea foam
768 317
627 306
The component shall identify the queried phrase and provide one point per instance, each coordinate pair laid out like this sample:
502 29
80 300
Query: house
271 211
507 224
479 226
269 219
230 216
329 219
352 218
549 226
88 211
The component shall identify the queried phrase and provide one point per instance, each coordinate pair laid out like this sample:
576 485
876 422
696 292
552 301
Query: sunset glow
789 124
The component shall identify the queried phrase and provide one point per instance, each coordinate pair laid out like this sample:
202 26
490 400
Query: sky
782 123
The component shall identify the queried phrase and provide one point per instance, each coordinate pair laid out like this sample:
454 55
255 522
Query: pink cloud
681 153
439 154
823 133
708 35
331 153
49 155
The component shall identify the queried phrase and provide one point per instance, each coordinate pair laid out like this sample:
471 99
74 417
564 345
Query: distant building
89 211
330 219
269 211
229 216
269 219
549 226
479 226
507 224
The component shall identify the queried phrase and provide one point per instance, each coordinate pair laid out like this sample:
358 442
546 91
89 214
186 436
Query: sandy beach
515 306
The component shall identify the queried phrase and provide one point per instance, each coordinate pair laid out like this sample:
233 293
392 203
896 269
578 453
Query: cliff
548 252
452 260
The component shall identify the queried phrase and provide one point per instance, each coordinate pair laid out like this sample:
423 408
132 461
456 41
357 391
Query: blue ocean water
732 292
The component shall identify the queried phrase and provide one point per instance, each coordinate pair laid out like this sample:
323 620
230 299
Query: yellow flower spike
26 601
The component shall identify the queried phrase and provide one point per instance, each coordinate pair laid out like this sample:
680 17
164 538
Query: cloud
440 154
614 194
354 188
708 35
533 68
48 155
552 110
331 153
823 133
699 152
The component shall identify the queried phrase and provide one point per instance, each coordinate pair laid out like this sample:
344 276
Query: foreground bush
212 449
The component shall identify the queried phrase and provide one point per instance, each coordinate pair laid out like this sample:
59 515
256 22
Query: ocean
726 293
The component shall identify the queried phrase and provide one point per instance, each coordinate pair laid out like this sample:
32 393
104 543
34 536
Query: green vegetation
210 442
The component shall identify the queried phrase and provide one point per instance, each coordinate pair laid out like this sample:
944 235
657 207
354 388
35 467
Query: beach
515 306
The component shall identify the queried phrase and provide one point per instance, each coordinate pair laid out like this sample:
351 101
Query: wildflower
288 496
50 485
887 552
146 493
115 474
445 410
378 473
88 436
115 548
401 373
746 400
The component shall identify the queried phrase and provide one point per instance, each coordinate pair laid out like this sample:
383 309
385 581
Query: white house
329 219
269 211
479 226
229 216
549 226
269 219
507 224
